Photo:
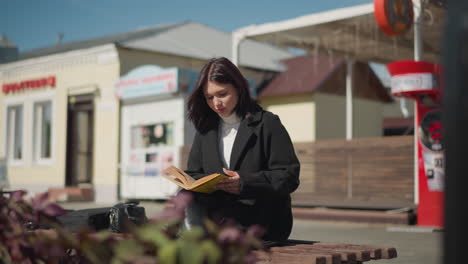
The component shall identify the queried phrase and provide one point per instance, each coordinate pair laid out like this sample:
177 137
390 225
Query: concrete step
69 194
352 215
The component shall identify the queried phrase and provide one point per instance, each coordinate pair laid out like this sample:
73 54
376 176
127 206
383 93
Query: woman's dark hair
220 70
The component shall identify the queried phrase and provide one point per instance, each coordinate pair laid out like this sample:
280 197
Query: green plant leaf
90 253
168 253
102 235
211 227
190 252
211 252
194 234
153 234
116 261
128 250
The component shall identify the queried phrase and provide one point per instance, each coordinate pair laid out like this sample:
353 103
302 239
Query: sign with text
413 82
28 84
152 80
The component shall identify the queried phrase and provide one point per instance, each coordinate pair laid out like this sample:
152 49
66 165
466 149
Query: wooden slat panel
360 169
347 172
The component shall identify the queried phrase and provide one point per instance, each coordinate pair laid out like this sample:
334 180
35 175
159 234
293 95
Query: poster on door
151 149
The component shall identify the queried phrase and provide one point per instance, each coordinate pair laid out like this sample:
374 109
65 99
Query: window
146 136
42 132
15 133
27 128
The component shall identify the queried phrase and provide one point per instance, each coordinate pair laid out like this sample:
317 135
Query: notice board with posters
154 127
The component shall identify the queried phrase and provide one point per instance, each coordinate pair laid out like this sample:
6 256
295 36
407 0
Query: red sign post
421 81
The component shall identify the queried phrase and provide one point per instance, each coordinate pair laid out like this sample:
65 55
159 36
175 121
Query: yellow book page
175 180
207 183
183 177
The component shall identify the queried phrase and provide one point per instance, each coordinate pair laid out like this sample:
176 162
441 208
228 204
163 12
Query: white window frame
33 100
36 132
28 103
8 131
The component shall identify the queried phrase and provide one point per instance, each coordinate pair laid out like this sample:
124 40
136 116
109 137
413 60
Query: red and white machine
421 81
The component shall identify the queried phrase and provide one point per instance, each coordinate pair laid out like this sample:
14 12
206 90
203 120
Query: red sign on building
29 84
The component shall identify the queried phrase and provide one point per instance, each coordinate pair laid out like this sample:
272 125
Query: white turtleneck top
228 127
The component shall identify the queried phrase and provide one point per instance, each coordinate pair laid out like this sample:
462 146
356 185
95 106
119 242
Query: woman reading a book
236 137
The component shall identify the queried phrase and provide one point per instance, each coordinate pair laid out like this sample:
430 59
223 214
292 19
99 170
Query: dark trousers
226 209
222 210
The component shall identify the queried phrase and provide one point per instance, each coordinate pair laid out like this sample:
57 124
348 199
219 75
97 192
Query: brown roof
312 73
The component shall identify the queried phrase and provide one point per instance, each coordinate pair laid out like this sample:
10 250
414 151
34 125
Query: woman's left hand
231 184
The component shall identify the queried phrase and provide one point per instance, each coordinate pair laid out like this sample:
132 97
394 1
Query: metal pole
349 98
418 49
418 41
415 156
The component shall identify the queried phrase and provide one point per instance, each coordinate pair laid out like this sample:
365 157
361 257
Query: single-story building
60 115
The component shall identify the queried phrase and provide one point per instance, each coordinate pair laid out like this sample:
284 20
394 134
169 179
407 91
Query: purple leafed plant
17 217
160 240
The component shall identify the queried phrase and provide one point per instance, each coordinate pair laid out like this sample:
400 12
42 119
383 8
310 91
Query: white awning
350 31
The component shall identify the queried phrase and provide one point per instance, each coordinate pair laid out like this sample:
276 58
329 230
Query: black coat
264 157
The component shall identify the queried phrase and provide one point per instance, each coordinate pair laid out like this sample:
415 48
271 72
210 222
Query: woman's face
221 97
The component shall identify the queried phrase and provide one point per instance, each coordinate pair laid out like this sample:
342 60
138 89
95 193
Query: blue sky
36 23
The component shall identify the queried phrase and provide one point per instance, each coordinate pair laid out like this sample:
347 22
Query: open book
203 185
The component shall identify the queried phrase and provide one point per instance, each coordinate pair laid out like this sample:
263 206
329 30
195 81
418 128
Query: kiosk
421 81
153 129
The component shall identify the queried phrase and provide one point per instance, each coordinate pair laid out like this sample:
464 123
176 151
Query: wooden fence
361 173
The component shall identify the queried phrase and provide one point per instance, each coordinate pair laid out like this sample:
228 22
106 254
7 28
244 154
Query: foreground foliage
160 240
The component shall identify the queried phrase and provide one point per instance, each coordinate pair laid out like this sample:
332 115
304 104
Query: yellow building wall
394 109
297 113
367 118
331 117
74 75
319 116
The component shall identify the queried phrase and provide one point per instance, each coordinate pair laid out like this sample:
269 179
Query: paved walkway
414 245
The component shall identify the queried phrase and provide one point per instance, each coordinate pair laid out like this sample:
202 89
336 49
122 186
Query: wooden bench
313 252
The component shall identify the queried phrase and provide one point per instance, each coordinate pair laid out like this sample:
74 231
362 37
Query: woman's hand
231 184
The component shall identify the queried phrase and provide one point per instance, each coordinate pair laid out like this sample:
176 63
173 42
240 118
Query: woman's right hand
231 184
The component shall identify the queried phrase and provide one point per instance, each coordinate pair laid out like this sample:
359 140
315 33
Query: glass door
80 139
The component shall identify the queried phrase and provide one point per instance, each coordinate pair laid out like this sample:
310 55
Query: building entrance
80 138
